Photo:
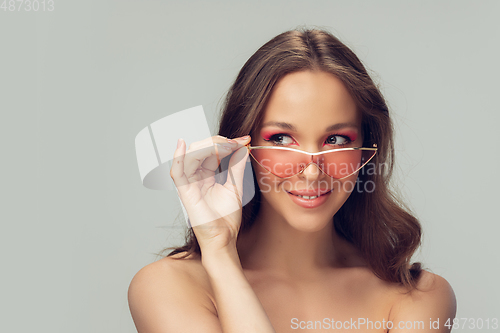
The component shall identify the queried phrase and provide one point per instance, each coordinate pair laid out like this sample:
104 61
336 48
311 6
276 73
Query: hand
214 209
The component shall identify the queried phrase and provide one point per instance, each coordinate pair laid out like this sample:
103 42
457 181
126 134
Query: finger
221 150
196 209
177 170
220 142
207 142
203 157
236 169
202 145
208 157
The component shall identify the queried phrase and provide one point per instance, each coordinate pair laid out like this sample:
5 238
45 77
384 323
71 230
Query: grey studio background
78 83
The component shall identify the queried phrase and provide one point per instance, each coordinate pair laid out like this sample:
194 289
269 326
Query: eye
278 139
340 140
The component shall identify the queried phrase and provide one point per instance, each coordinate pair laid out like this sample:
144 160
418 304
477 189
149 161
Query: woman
283 262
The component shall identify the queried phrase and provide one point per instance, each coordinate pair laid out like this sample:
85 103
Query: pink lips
310 203
310 193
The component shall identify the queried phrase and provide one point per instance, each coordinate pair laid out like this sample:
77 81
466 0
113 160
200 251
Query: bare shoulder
432 288
430 282
432 299
189 267
166 294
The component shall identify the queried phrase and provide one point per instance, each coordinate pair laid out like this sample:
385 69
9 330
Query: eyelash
348 140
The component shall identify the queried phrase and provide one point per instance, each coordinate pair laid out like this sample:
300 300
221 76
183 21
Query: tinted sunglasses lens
341 164
337 164
281 163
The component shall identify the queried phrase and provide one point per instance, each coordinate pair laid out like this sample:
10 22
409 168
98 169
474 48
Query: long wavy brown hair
376 222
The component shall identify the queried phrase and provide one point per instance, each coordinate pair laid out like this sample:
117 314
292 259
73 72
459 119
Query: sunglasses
284 162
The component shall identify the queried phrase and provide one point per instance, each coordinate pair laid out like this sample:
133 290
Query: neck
273 245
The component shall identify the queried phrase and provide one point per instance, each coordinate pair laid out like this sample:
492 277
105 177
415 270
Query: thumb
236 171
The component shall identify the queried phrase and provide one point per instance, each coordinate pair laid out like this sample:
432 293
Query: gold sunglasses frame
249 147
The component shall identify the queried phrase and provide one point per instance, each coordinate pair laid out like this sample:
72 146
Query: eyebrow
290 127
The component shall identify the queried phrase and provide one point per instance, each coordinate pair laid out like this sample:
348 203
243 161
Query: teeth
306 197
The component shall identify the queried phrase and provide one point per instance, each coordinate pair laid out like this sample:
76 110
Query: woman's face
310 111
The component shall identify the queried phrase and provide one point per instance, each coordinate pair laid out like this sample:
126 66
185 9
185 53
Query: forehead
311 101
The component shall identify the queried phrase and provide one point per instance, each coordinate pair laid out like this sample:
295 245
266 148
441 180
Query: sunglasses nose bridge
314 159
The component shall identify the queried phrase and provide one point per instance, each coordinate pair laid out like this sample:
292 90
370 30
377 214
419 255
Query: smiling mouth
310 197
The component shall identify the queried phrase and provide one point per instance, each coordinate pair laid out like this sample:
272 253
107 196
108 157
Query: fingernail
179 143
244 137
225 146
231 141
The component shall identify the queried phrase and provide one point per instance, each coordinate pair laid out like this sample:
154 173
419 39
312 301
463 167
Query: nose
311 171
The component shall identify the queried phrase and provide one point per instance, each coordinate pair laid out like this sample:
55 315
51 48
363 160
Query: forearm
238 307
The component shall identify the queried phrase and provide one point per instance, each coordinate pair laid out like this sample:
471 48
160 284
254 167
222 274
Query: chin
306 219
309 223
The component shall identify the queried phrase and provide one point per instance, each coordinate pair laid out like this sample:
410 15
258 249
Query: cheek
266 181
346 186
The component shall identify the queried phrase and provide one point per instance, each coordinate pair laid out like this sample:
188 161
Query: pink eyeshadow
352 135
266 134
